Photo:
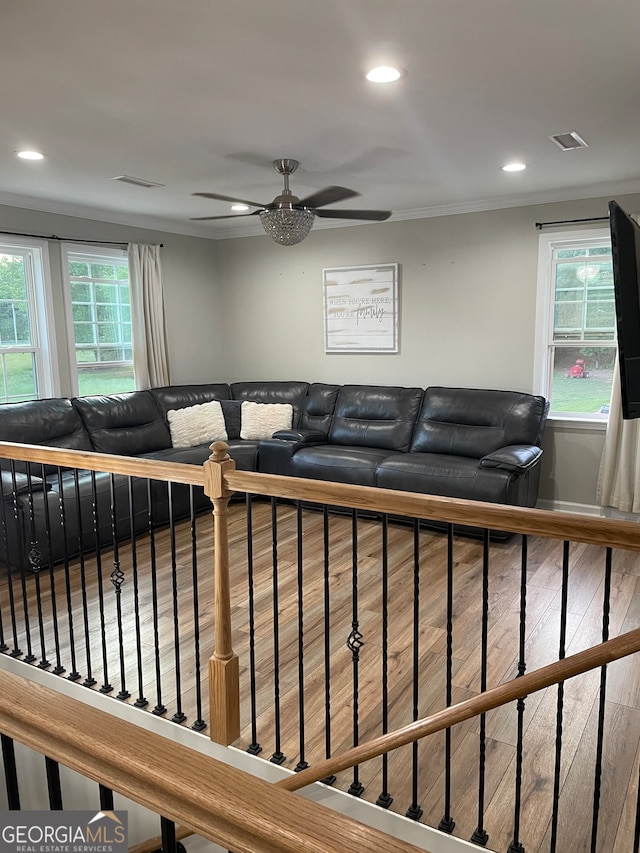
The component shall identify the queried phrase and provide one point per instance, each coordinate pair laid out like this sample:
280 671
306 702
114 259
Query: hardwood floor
288 693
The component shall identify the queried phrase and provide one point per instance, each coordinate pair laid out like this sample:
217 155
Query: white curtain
619 476
619 479
150 355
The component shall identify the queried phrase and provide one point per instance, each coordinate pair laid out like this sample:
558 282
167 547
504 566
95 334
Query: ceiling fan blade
228 216
329 195
377 215
230 198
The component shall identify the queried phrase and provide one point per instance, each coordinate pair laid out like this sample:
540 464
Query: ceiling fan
287 219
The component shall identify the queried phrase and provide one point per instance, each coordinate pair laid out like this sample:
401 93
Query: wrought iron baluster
74 675
53 784
106 798
159 708
199 723
301 763
326 585
414 811
480 835
564 607
254 748
447 823
355 642
89 681
35 564
168 833
10 772
5 543
516 846
59 668
385 799
278 756
29 656
117 578
179 716
106 687
141 701
16 651
597 783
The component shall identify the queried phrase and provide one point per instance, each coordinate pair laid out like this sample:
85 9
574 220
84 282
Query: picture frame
361 305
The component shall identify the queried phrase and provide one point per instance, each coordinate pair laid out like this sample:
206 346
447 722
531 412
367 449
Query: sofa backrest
293 392
127 424
171 397
319 406
52 422
474 422
375 416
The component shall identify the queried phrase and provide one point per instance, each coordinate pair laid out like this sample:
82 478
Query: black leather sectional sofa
455 442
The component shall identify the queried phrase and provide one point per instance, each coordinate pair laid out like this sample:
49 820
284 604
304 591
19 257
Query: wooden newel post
224 676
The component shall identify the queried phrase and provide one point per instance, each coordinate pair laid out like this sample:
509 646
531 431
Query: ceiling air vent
137 182
568 141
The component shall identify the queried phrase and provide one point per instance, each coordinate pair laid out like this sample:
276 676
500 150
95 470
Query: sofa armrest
20 484
515 457
301 436
275 454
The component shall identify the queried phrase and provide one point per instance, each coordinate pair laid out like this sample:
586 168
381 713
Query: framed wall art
361 308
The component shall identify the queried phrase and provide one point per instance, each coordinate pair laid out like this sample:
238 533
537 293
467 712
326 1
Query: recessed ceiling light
513 167
30 155
385 74
239 207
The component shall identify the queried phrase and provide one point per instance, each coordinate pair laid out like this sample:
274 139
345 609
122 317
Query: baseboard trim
588 509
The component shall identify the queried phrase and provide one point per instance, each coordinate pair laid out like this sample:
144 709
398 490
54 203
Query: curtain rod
71 239
572 221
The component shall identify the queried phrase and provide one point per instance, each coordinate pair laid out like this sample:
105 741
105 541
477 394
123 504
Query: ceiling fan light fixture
239 207
287 226
30 155
384 74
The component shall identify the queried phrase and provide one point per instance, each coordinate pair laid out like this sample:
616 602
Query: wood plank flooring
415 636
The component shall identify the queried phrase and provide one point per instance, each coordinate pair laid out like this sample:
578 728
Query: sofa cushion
474 422
127 424
339 464
444 475
375 416
261 420
199 424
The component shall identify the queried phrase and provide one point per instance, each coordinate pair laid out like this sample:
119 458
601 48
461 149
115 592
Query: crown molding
189 229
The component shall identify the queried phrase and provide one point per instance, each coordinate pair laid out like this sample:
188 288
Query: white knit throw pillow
261 420
200 424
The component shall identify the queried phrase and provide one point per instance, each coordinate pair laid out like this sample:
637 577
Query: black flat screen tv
625 250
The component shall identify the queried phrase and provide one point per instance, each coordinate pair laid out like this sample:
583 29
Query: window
27 362
99 300
576 323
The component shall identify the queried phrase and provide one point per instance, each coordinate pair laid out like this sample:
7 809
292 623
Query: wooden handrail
576 527
111 463
217 801
572 526
553 673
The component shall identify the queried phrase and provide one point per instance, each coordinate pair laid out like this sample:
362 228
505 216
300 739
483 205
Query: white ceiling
201 95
